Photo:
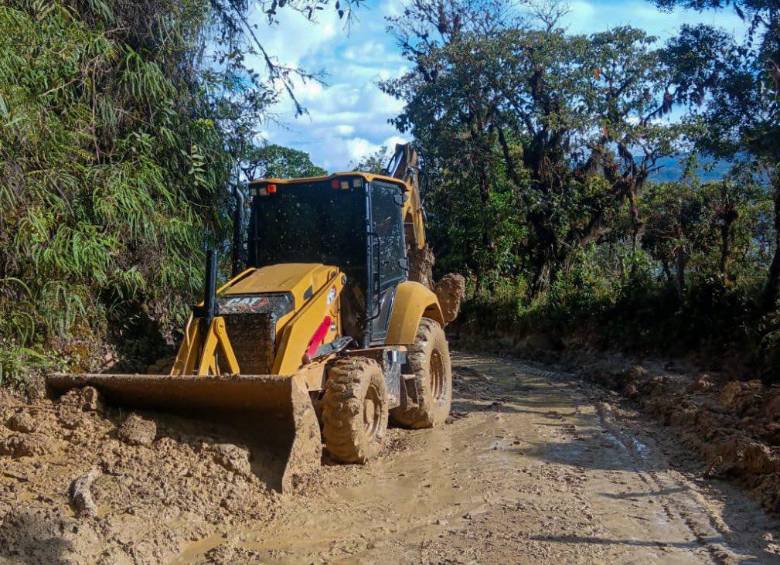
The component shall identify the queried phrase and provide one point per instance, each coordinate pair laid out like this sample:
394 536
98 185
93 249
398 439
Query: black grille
252 338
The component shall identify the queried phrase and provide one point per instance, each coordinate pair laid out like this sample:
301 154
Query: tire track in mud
675 509
530 468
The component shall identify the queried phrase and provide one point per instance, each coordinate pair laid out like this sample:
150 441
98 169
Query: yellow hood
300 279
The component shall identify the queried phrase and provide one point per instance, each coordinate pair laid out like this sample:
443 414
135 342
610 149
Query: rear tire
429 360
354 410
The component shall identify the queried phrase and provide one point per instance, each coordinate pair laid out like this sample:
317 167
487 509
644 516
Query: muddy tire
354 410
431 394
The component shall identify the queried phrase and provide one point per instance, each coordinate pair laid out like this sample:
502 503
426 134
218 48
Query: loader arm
196 353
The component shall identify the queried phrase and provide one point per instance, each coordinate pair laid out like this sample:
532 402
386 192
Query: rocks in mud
22 421
421 265
733 427
75 406
87 399
81 494
232 457
740 396
772 408
25 445
744 455
137 430
703 383
36 534
70 417
228 553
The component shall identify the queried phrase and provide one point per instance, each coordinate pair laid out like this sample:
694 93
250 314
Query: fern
108 176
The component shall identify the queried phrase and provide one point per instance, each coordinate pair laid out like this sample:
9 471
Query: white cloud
391 8
359 148
591 16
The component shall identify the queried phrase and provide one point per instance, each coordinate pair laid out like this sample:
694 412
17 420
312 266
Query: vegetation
541 146
127 126
118 131
276 161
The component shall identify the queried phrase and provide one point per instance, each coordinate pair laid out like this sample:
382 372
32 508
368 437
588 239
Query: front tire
431 390
354 410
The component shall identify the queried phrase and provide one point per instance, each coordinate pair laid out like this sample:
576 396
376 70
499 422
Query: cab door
387 264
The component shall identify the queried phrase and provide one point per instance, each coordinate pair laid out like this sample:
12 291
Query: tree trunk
666 269
725 250
681 259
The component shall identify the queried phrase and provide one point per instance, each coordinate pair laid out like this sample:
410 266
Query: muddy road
535 466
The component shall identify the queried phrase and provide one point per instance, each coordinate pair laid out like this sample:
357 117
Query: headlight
275 304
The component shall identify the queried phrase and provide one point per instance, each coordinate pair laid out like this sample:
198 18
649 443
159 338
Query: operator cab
352 221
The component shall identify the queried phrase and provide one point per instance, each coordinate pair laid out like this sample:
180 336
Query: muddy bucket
270 409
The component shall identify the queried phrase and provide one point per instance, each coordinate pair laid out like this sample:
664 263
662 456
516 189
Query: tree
268 161
118 128
529 126
373 162
740 114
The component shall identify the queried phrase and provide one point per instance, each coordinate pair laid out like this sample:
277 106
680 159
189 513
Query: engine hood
300 279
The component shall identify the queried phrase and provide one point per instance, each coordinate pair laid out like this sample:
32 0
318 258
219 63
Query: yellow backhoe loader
323 332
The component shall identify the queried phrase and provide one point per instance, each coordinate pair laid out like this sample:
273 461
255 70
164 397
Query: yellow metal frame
197 354
199 351
413 301
296 334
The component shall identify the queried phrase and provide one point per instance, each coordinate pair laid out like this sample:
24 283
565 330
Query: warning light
271 188
345 185
262 192
334 183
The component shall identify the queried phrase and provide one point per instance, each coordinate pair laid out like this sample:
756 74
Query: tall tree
561 129
118 123
737 86
277 161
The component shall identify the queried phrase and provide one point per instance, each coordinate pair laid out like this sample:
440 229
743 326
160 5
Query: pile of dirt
450 291
81 482
734 426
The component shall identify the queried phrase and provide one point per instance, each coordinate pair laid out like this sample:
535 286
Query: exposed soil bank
733 426
534 466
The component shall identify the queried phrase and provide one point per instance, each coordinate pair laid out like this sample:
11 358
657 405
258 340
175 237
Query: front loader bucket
263 405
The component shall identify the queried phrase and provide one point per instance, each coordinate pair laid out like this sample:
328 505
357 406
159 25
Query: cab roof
368 177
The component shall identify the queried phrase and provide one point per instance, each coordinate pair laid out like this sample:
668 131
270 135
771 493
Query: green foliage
373 162
539 146
275 161
105 191
537 138
118 128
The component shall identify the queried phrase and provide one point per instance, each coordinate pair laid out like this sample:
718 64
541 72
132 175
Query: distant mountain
672 168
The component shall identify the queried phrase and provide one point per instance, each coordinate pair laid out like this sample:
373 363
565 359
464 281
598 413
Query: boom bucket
272 408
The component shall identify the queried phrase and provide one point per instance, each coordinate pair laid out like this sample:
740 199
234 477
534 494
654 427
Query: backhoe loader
322 331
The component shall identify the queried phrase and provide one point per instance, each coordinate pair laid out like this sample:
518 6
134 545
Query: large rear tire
354 410
431 391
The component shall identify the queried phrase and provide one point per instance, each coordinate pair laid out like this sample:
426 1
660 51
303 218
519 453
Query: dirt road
535 466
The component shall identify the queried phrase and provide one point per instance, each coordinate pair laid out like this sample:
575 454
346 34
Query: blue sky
348 116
